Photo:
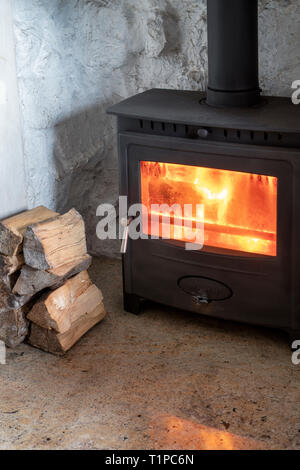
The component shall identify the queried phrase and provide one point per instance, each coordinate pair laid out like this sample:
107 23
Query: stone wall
77 57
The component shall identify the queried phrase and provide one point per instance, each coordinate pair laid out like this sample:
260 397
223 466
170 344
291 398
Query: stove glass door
238 210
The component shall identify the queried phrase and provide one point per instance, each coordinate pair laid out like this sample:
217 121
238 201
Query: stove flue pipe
232 53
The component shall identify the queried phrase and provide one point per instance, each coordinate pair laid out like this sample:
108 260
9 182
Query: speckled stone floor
164 380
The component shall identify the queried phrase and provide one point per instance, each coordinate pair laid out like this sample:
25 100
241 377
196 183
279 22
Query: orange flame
240 208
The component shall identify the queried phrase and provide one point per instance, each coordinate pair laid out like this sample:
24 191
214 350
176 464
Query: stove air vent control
203 133
204 290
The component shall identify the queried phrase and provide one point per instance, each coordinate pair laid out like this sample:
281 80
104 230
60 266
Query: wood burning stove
239 156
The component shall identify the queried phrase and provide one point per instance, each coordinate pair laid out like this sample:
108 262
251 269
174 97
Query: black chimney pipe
232 53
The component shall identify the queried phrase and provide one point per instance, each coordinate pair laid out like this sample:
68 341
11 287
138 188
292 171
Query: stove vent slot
160 127
250 137
218 134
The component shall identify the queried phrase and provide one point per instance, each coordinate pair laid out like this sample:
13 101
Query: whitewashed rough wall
12 177
77 57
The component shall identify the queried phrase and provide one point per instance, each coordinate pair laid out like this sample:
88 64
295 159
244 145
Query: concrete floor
164 380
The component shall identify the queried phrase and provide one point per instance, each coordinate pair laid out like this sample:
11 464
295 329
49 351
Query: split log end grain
60 343
12 229
57 309
53 244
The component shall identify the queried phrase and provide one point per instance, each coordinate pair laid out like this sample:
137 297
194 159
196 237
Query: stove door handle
125 222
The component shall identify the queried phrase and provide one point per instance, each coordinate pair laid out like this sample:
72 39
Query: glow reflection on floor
171 432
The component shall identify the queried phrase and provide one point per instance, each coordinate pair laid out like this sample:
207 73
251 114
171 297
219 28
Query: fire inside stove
239 210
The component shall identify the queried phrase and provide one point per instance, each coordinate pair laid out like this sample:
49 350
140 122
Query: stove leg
132 303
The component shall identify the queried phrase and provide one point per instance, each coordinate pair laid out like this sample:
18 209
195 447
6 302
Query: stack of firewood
46 294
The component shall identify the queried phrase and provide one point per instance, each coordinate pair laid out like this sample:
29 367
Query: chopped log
58 309
31 281
12 229
10 301
18 301
9 267
56 243
61 308
13 326
5 294
8 281
60 343
10 264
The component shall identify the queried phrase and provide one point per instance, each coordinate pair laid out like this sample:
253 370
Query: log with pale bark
9 280
59 343
5 294
13 311
13 327
12 229
9 300
10 264
13 322
55 244
31 281
9 267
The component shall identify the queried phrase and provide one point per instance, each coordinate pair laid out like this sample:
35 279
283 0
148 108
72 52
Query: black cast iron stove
238 154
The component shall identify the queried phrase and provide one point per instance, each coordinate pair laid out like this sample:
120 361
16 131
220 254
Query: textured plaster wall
12 177
77 57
